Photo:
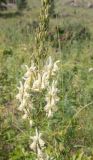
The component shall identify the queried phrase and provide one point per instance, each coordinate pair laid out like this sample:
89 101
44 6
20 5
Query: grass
75 83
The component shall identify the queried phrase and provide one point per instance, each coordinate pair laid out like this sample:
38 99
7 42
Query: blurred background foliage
70 40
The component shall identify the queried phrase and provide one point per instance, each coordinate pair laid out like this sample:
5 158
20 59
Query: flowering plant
38 83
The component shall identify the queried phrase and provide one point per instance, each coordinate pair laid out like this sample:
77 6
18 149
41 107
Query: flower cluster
23 96
38 81
38 145
51 99
42 79
51 68
41 82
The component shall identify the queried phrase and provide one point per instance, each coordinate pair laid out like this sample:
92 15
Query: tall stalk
40 50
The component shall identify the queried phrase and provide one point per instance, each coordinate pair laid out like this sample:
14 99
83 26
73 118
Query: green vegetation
21 4
69 39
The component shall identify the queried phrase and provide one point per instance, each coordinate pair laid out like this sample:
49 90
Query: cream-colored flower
49 64
31 123
25 116
27 84
50 109
52 93
26 95
45 80
51 99
37 142
40 154
22 105
30 70
19 96
37 83
90 69
55 68
25 113
41 82
23 95
28 76
51 68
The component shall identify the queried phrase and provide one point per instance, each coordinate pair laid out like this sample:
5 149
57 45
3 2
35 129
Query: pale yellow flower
27 84
49 64
37 83
52 93
51 99
51 67
37 142
19 96
41 82
22 105
25 116
30 70
90 69
55 68
26 95
45 80
31 123
50 109
40 154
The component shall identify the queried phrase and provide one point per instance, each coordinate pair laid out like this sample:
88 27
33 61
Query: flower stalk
39 79
38 82
41 49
